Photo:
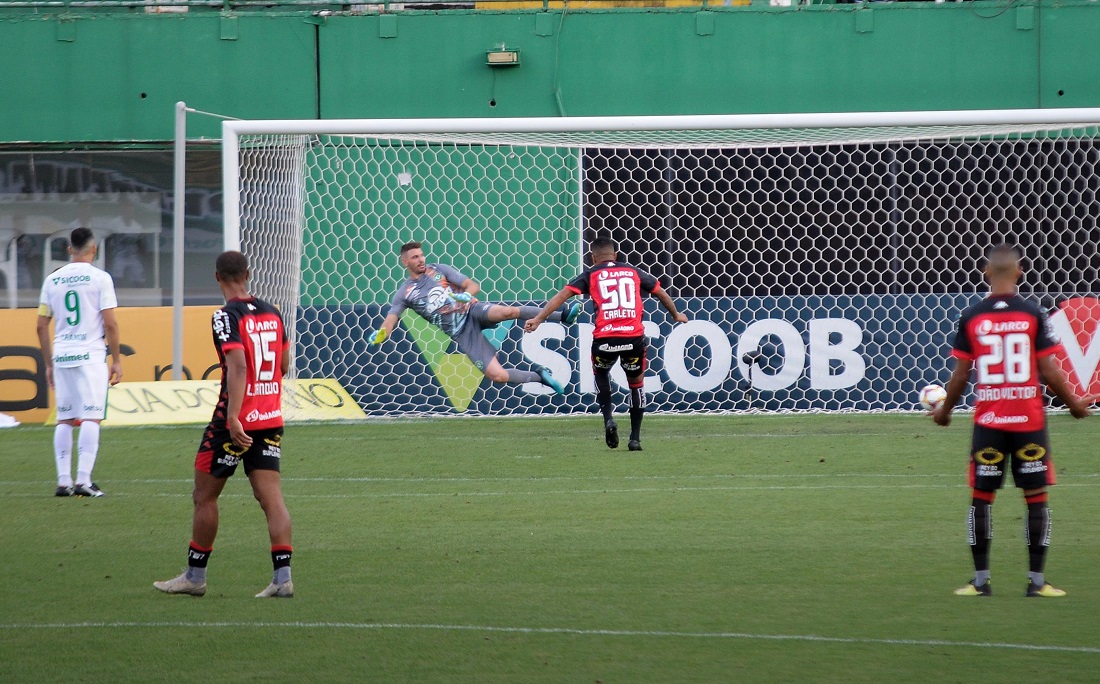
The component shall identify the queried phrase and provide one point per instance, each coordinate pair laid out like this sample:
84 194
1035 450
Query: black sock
980 524
636 423
637 411
197 556
1038 535
280 561
603 393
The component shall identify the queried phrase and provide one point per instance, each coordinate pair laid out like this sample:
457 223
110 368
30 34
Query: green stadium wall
115 75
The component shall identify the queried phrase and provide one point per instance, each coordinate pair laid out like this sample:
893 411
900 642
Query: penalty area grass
733 548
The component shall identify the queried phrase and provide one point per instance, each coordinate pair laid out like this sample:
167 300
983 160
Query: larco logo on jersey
986 327
252 325
608 274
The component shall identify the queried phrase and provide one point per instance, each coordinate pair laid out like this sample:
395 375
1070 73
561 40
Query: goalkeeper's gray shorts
471 341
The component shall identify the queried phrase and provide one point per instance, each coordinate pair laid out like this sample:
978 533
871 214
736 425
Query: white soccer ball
931 396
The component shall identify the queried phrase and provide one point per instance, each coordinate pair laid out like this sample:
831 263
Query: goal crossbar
432 128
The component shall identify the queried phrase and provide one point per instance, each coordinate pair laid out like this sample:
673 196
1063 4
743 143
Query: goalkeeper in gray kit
444 297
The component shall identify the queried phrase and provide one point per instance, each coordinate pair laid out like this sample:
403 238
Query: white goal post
822 258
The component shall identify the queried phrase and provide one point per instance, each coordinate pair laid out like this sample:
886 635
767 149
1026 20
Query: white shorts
81 391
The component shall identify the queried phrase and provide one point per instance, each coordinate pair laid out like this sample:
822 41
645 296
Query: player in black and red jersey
247 427
616 288
1009 341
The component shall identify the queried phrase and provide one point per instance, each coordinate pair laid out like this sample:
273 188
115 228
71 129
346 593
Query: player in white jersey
80 299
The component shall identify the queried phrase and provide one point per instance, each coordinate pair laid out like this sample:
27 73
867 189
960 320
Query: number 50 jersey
256 327
616 289
1004 336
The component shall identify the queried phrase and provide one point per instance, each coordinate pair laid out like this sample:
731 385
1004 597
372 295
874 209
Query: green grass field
818 548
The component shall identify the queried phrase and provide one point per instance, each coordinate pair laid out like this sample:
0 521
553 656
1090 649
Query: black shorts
1027 453
630 351
219 456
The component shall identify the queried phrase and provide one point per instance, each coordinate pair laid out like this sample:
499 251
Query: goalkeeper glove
460 297
378 337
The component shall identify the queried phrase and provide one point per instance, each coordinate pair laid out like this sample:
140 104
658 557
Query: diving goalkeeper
445 298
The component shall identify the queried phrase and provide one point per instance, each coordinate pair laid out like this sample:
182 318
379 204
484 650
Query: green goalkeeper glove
460 297
378 337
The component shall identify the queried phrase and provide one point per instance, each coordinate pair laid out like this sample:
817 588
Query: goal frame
232 130
797 135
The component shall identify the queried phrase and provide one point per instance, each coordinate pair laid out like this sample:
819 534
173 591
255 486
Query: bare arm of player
553 305
960 377
110 331
1056 382
236 376
470 287
382 334
663 297
43 329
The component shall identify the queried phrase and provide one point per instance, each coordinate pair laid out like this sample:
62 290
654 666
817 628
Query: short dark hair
1003 261
231 265
80 239
1003 252
603 243
409 246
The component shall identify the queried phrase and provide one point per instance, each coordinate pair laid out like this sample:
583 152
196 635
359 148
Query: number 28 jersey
616 288
255 327
1004 336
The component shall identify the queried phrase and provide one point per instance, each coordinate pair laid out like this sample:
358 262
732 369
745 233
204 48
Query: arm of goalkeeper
383 333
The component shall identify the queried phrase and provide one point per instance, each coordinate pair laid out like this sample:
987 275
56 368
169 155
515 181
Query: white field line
551 478
598 437
813 638
547 492
585 478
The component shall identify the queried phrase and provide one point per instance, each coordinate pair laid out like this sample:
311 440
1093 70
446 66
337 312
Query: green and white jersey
75 296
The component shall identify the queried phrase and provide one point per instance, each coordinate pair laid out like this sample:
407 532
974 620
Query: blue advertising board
796 353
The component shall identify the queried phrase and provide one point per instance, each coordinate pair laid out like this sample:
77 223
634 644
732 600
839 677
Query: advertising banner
146 341
830 353
835 353
193 401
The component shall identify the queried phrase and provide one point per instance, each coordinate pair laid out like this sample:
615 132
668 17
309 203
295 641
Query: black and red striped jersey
256 327
1004 336
616 288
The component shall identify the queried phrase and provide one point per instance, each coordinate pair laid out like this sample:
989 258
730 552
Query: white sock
63 454
89 448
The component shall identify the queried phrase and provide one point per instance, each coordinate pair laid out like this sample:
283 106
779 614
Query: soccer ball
931 396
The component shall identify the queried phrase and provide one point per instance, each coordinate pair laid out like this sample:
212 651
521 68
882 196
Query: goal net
822 259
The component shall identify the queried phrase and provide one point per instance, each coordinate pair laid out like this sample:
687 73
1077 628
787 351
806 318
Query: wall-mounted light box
502 57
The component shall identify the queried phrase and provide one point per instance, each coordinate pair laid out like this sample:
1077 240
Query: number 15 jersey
1004 336
256 327
616 289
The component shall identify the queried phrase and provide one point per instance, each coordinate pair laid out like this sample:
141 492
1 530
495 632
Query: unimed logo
69 358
